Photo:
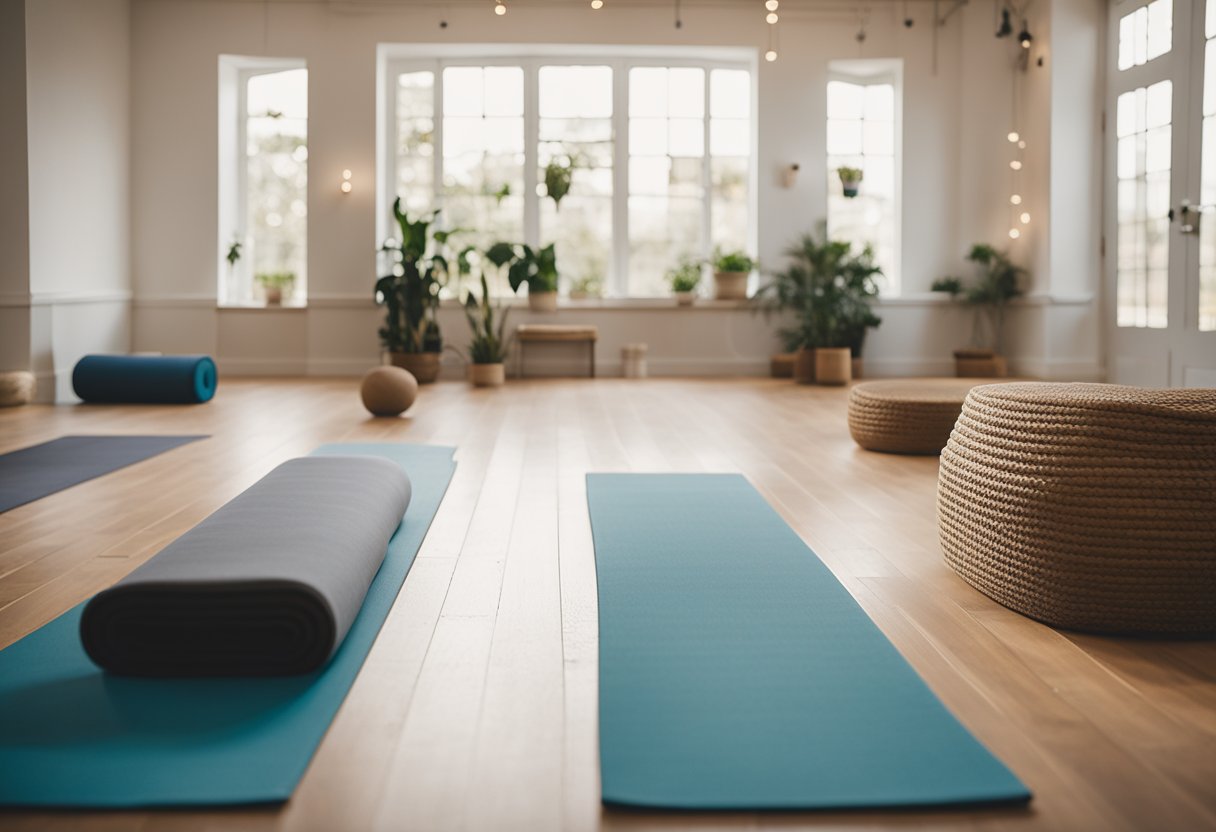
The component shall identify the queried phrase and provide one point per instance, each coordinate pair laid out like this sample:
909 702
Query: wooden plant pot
782 364
487 375
975 363
730 285
686 298
833 366
858 366
424 366
804 366
542 301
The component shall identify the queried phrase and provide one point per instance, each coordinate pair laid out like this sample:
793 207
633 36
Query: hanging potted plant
409 294
559 174
537 268
731 271
275 285
850 180
488 349
829 290
684 280
997 282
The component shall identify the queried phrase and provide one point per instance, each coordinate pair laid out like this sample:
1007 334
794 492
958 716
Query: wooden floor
476 708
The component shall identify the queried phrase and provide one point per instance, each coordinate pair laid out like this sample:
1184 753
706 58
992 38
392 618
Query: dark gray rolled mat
267 585
31 473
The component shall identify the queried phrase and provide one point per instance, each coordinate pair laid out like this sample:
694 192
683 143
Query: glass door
1161 199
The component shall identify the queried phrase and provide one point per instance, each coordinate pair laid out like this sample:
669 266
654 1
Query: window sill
296 306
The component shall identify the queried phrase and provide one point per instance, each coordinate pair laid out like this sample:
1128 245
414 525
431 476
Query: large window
863 133
264 185
626 164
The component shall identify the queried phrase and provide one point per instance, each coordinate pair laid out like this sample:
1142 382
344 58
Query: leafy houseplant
997 282
731 271
558 176
234 253
829 289
850 180
410 295
488 349
275 284
684 280
538 269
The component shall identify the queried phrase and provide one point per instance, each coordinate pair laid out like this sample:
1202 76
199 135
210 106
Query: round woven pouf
1086 506
388 391
17 388
906 416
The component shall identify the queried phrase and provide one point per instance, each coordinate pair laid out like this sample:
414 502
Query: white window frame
890 73
394 59
235 72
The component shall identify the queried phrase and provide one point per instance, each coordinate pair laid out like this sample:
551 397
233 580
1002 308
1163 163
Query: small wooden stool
551 333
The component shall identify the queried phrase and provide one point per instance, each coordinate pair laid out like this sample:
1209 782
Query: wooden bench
557 333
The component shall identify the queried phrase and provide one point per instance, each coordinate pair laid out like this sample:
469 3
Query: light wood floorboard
476 708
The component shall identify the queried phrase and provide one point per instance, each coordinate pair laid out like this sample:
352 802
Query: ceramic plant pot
274 296
542 301
487 375
730 285
423 365
833 366
686 298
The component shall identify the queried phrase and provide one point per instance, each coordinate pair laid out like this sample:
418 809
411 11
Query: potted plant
830 290
410 295
488 349
684 280
850 180
997 282
731 271
275 285
538 269
558 176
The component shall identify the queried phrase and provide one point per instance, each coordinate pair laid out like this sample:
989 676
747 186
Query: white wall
14 196
76 122
955 119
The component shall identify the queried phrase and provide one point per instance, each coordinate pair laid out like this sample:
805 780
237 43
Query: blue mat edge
627 803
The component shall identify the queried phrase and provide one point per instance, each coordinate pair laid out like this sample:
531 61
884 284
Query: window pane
1146 33
1143 168
730 93
662 230
576 130
276 182
861 134
648 91
416 140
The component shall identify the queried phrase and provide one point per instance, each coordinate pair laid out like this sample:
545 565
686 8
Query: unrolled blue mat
736 672
72 736
32 473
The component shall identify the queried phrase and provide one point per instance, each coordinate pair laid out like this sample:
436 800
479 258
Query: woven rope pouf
906 416
1086 506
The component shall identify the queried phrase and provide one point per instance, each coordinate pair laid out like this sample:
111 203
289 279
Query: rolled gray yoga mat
268 585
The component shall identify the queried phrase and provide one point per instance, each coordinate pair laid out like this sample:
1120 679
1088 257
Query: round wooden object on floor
833 366
906 416
1086 506
388 391
17 388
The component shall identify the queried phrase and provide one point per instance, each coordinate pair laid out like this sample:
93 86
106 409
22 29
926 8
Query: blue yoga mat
72 736
32 473
145 379
737 673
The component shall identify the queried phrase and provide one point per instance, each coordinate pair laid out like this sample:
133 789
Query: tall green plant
410 291
535 267
489 345
829 289
996 283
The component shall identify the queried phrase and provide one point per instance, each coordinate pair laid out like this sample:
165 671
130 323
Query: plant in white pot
537 268
276 286
998 282
731 272
488 349
684 280
850 180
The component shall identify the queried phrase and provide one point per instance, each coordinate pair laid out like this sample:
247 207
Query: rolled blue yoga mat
736 672
73 736
145 379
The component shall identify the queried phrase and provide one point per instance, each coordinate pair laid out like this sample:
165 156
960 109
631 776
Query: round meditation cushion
388 391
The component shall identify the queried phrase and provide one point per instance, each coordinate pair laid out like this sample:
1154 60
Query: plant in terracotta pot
276 285
850 180
537 268
829 289
409 293
997 282
684 280
731 271
488 349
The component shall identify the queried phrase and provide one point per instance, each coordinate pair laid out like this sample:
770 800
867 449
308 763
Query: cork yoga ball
388 391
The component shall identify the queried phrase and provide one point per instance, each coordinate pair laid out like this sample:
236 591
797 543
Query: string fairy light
771 18
500 7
